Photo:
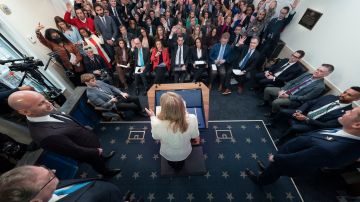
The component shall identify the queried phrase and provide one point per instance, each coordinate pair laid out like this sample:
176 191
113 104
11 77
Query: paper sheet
238 72
213 67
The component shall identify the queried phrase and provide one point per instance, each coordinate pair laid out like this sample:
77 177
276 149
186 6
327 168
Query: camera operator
96 65
69 56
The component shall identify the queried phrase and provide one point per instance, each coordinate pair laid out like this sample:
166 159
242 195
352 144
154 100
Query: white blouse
174 146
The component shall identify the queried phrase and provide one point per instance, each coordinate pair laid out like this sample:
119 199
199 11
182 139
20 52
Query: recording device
30 67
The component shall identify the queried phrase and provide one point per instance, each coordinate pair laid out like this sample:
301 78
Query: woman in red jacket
160 60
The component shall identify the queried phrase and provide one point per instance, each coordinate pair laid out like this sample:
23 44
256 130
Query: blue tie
244 61
70 189
141 59
221 52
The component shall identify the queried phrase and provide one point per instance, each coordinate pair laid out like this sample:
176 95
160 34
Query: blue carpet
229 148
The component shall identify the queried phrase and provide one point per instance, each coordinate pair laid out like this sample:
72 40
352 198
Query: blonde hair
173 110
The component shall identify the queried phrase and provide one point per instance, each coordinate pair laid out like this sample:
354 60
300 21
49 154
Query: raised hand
294 4
68 7
242 40
39 27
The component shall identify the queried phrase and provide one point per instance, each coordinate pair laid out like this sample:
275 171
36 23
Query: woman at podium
175 129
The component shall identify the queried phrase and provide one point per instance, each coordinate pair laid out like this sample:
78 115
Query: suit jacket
146 56
214 52
102 97
328 120
112 14
147 27
309 92
68 138
290 73
275 27
204 55
313 151
109 31
96 191
239 53
98 64
186 56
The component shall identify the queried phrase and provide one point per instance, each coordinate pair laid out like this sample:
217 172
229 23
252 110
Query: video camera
28 64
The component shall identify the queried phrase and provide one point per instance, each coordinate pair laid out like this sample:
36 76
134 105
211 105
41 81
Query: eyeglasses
88 48
52 176
293 55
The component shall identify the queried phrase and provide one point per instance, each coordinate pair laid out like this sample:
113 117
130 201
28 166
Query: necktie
103 21
221 52
181 54
61 118
296 88
283 67
313 114
141 59
246 58
236 39
71 189
116 15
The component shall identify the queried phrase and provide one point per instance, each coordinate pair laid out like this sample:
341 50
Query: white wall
18 26
335 39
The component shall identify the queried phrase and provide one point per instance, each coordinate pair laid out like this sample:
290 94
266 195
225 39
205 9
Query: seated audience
96 65
335 148
219 54
175 128
123 62
141 58
68 55
199 58
299 90
283 71
128 37
243 59
179 60
36 183
160 62
69 139
107 96
319 113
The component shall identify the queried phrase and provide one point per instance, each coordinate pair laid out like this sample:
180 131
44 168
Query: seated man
60 133
283 71
313 151
179 60
319 113
96 65
107 96
35 183
297 91
141 60
219 55
243 59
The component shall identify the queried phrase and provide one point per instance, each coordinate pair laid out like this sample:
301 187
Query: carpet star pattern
248 140
153 175
269 196
190 196
254 156
225 174
221 156
237 156
139 157
155 156
249 196
207 175
123 157
210 196
151 197
136 175
229 196
263 140
289 196
112 141
170 196
243 174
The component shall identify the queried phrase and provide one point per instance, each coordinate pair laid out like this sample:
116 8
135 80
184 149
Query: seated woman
199 56
175 128
161 61
96 65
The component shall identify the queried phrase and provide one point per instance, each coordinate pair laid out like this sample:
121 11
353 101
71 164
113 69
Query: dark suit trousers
198 72
221 71
131 103
109 50
160 75
262 81
141 77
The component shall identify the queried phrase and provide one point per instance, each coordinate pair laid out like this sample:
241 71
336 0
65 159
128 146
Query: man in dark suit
35 183
219 55
150 28
95 64
115 12
60 133
297 91
274 29
243 59
283 71
142 65
318 113
235 36
106 26
179 60
313 151
107 96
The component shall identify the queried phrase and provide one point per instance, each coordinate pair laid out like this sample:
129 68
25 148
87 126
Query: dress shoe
226 92
220 88
111 172
137 91
108 156
261 165
252 176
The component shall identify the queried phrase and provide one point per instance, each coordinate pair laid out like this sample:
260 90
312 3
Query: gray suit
108 31
103 93
308 92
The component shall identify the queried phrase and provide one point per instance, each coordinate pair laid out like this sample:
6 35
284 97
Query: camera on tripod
28 64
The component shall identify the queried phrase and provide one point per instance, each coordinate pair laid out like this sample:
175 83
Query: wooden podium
181 86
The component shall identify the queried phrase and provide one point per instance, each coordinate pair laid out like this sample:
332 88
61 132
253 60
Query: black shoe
261 165
262 104
137 91
270 114
252 175
111 173
108 156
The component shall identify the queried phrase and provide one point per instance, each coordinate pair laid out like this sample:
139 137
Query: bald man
60 133
142 62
